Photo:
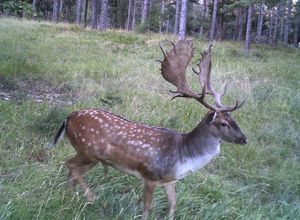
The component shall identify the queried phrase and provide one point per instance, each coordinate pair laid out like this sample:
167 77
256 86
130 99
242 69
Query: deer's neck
197 149
198 142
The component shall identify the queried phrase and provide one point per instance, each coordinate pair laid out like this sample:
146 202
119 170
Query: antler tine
224 88
209 48
235 107
195 71
205 81
239 105
163 50
200 98
179 96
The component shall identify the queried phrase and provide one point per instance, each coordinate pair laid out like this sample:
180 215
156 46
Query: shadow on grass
47 125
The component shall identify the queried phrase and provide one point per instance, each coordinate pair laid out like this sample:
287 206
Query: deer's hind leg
148 196
77 167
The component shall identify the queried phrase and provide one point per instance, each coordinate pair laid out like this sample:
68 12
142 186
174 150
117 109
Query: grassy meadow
48 71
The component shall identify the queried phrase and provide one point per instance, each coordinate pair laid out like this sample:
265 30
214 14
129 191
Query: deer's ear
212 117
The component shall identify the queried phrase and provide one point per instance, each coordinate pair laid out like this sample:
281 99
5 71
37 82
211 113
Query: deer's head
218 121
223 126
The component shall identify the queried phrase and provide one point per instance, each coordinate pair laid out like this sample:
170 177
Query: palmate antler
175 63
173 69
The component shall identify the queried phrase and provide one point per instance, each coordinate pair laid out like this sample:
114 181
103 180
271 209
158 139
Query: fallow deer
158 156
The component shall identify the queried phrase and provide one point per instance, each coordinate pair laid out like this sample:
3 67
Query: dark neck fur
198 141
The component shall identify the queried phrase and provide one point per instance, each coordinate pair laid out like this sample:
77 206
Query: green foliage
117 71
152 24
142 28
17 8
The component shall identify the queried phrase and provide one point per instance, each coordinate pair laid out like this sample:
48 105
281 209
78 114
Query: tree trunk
55 14
168 26
67 11
115 18
182 21
162 11
86 11
282 19
287 23
296 35
150 3
213 21
241 25
103 15
205 12
78 11
274 38
94 14
248 32
297 24
236 23
133 14
129 16
123 15
61 6
270 31
177 13
281 29
144 11
260 19
34 9
221 27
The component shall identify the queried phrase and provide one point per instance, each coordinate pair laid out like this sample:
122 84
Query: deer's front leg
171 194
148 196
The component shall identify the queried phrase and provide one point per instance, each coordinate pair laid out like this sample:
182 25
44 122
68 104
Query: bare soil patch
37 91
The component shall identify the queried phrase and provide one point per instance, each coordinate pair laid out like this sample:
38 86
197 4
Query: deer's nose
244 140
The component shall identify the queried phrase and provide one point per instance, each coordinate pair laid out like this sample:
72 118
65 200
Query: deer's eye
223 124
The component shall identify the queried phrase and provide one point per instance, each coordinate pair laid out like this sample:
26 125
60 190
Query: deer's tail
59 136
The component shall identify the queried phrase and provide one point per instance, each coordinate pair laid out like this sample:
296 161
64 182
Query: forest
259 21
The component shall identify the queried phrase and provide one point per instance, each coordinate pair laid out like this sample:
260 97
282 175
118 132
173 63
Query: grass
117 71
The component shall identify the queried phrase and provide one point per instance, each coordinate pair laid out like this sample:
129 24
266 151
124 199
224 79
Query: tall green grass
117 71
